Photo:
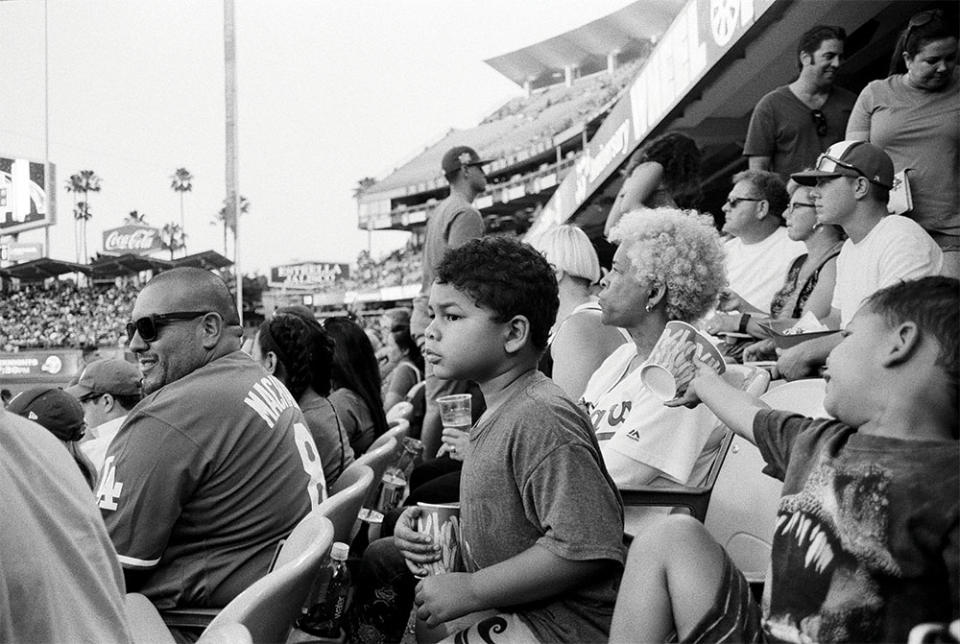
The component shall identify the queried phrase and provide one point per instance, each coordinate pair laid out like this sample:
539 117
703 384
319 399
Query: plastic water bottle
325 618
393 485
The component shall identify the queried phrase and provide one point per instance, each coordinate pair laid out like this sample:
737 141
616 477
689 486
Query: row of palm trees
173 236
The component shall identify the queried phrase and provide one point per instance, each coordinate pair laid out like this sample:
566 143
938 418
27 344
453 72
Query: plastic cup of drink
455 411
442 522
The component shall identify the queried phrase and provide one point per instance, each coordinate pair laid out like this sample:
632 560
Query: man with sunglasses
852 183
792 124
107 390
215 465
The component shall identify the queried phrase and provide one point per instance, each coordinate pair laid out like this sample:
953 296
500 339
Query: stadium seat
401 411
341 507
267 609
742 514
226 634
398 431
696 499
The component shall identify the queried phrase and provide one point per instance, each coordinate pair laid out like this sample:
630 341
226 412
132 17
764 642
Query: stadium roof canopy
41 269
109 266
208 259
587 47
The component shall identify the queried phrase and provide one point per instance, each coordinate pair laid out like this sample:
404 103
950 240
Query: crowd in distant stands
63 314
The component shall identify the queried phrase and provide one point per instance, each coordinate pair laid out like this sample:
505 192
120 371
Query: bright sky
329 92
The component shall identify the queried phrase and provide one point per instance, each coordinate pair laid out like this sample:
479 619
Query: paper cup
673 362
455 411
442 523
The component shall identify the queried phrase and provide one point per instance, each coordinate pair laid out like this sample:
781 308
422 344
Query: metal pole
49 186
233 177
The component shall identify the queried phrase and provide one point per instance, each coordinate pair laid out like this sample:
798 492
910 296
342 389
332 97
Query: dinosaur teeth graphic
809 537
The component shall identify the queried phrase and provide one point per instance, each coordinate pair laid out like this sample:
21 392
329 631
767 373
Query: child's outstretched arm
735 407
535 573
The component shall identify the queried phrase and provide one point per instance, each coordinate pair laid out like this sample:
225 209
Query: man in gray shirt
453 223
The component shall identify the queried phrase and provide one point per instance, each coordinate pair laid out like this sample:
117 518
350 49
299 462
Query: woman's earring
648 308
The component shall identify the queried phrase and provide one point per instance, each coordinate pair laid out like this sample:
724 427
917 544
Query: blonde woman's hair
568 249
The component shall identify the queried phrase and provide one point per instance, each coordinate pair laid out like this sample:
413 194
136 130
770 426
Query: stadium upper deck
535 139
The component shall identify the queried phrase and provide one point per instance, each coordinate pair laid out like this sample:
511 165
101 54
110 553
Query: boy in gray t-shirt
542 520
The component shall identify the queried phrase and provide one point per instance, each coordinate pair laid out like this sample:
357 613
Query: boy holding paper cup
865 545
541 521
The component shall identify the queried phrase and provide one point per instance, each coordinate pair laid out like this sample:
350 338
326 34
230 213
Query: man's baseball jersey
204 478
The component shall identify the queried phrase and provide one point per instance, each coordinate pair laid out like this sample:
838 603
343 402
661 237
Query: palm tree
228 221
83 183
75 185
181 181
172 238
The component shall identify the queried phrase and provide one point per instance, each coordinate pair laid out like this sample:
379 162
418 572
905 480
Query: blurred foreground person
59 576
215 465
60 413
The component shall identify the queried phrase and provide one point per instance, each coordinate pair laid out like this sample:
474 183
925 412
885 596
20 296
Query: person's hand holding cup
456 420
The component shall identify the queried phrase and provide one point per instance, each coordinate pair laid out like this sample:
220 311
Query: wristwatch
744 321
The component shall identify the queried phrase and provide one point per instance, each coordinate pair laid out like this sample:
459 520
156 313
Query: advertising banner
307 274
699 36
24 202
136 239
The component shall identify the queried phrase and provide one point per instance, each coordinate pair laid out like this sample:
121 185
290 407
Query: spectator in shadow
62 416
107 390
794 123
355 381
663 173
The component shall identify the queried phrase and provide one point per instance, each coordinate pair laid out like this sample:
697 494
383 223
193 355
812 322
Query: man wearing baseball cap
852 182
453 223
107 389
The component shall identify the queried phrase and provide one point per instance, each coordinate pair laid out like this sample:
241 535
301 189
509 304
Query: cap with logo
460 156
55 409
850 159
108 376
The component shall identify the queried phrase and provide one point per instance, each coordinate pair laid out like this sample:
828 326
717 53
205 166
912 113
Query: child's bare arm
536 573
734 407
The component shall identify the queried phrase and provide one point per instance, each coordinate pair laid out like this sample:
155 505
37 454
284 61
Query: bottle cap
340 551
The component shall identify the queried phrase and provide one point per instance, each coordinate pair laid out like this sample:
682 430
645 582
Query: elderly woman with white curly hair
669 266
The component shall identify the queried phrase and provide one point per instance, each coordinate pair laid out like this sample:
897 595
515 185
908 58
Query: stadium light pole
232 178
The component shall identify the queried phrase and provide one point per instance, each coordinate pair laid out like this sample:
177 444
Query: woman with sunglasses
663 173
299 353
356 384
914 115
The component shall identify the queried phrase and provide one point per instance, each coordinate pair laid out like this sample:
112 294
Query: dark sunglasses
149 327
819 121
93 395
921 19
733 203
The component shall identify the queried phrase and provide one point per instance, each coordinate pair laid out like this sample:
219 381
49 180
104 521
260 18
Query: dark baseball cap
108 376
850 159
460 156
53 408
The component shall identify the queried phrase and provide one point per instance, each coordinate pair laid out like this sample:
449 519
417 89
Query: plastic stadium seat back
398 430
341 508
270 606
695 499
377 459
401 411
743 512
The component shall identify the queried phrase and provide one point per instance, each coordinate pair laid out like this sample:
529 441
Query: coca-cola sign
140 240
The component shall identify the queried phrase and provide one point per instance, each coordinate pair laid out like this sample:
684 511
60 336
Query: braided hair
304 352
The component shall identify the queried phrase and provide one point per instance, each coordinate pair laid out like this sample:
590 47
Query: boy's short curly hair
508 277
933 304
678 249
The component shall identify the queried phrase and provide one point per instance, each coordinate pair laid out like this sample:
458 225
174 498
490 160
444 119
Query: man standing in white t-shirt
107 390
852 185
760 253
